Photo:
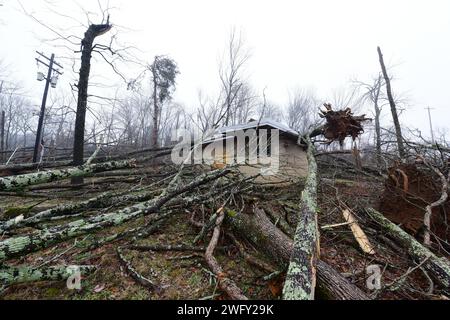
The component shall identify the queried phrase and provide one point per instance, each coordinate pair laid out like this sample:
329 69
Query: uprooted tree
340 125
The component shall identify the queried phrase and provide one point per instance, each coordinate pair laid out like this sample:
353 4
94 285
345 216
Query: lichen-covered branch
15 275
439 268
101 201
24 180
301 276
18 246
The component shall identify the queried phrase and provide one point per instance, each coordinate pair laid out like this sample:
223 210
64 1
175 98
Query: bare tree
398 129
301 112
372 93
231 75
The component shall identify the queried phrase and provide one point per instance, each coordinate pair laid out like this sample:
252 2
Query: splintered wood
359 234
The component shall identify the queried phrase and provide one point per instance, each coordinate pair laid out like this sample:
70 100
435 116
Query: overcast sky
318 44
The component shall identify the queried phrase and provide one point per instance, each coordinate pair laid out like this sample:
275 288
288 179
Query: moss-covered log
301 276
439 268
260 231
16 275
24 180
21 245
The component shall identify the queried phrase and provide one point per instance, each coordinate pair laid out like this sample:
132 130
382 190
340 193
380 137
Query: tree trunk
378 135
156 111
439 268
301 276
25 180
21 245
259 230
83 84
17 275
398 129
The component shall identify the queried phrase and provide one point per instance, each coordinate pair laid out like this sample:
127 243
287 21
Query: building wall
292 167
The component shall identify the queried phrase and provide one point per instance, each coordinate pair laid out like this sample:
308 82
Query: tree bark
21 245
16 275
87 43
398 129
24 180
155 129
301 276
259 230
439 268
225 283
102 201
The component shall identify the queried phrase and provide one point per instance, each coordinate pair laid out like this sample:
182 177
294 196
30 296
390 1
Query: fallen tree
21 245
438 268
339 125
16 275
301 276
67 210
225 283
260 231
21 181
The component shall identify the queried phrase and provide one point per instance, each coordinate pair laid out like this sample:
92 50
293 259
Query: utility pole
49 80
431 124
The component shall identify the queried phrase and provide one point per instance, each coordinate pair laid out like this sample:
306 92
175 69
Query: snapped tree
87 47
164 72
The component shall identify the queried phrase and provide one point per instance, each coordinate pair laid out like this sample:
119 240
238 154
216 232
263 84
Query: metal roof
262 123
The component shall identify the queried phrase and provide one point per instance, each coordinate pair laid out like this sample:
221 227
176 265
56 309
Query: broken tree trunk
301 276
87 47
24 180
15 275
439 268
21 245
260 231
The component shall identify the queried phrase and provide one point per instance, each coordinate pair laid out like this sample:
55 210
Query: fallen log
16 275
102 201
301 276
439 268
260 231
225 283
24 180
16 168
21 245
